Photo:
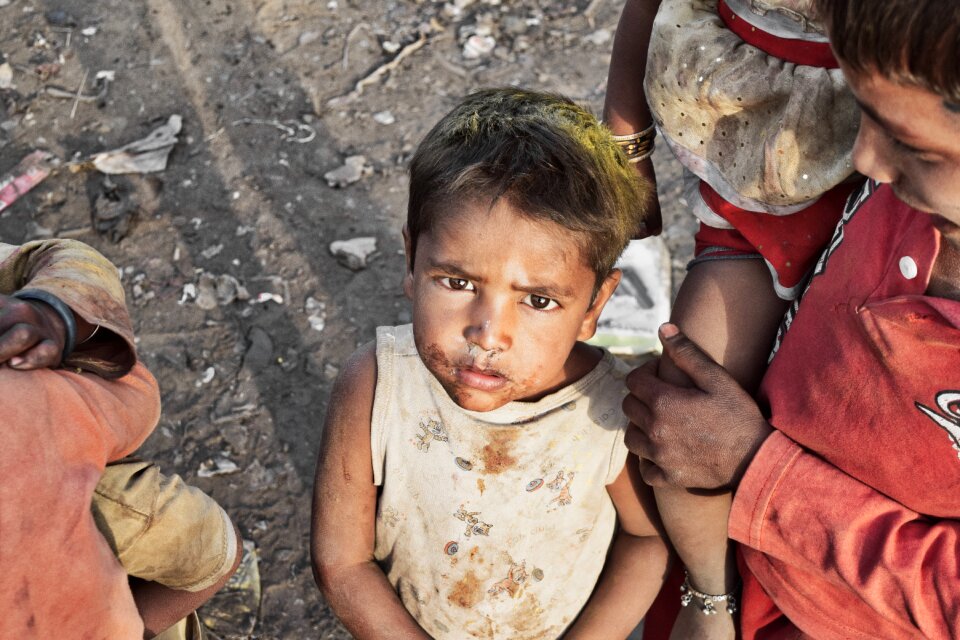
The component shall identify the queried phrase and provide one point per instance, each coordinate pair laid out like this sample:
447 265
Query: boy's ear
607 287
408 257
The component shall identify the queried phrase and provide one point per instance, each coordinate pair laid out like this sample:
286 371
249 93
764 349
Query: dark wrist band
70 325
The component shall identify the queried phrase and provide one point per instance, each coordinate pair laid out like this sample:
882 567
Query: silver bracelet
707 600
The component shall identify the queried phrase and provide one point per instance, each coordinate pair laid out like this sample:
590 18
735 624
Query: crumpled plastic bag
147 155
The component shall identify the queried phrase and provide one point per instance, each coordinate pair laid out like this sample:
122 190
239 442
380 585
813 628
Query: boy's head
520 204
902 60
546 156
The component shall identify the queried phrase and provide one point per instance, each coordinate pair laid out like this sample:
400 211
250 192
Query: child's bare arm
730 309
344 513
636 566
625 110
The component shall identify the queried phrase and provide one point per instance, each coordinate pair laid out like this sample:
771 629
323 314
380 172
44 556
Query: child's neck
945 277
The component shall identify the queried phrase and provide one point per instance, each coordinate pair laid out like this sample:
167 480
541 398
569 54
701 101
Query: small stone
355 252
59 18
259 354
6 75
354 168
207 292
330 372
89 31
307 37
478 46
390 46
384 117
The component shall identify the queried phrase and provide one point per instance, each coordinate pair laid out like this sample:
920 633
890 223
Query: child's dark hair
914 42
548 157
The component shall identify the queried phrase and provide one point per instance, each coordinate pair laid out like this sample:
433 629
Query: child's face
910 139
499 301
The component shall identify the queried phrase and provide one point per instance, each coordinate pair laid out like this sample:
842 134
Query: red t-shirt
848 514
59 578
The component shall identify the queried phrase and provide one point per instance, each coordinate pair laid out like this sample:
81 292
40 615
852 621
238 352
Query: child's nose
491 328
873 153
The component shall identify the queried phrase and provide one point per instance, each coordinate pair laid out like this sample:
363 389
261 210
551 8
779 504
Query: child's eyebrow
547 290
450 267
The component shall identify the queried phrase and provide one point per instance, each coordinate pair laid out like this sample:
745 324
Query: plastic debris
317 313
354 168
355 252
599 37
478 46
629 322
208 375
219 466
114 211
28 173
384 117
266 296
235 609
147 155
6 75
292 130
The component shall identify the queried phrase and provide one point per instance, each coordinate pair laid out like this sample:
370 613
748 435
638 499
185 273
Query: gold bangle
649 132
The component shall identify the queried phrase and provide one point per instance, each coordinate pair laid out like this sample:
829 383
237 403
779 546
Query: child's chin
476 401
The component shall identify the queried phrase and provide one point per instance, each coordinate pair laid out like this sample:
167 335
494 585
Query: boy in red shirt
847 473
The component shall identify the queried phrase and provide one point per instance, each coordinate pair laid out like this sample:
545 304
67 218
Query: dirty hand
32 334
652 219
702 437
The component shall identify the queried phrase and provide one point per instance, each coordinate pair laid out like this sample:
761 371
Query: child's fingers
687 356
43 355
17 339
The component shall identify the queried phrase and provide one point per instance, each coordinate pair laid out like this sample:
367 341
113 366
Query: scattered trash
28 173
259 353
44 71
390 46
189 293
146 155
230 289
599 37
58 18
219 466
629 322
354 253
212 251
384 117
236 607
89 31
318 313
114 212
354 168
377 73
207 376
6 76
266 296
292 130
478 46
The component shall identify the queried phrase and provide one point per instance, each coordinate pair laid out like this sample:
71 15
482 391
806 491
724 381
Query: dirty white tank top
493 524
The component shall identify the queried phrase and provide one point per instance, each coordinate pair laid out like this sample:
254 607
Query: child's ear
408 256
607 287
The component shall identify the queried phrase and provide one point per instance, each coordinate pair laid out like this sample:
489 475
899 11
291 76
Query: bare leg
161 607
730 309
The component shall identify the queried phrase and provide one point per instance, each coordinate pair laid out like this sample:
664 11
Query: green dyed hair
914 42
551 159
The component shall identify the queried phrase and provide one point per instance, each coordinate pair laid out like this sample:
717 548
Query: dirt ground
273 94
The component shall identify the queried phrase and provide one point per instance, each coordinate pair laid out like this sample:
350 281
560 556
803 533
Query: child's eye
540 303
457 284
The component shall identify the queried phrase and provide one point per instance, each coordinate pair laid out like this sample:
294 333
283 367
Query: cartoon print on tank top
948 418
